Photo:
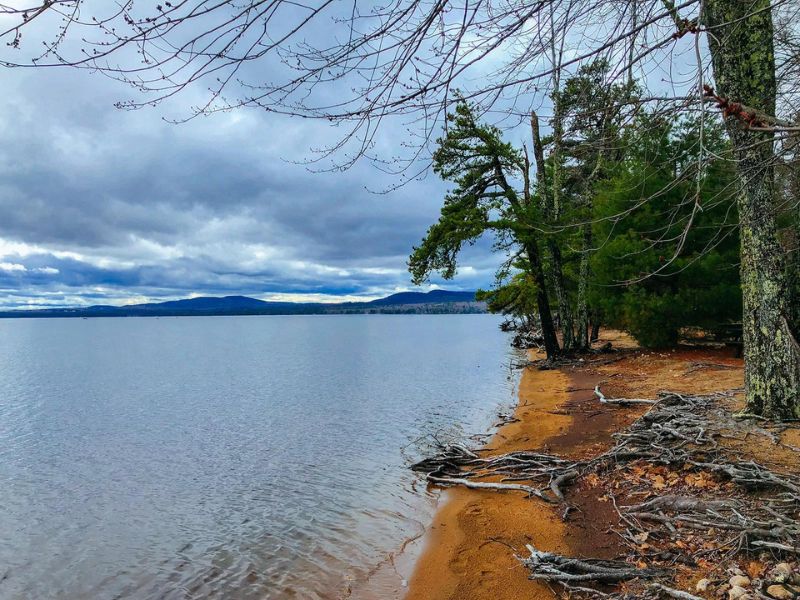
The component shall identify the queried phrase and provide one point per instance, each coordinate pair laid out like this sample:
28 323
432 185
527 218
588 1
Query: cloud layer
99 205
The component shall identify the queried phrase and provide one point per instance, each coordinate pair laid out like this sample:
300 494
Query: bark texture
583 341
742 50
551 346
550 206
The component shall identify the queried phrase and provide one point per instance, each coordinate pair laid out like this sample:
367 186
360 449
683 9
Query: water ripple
242 457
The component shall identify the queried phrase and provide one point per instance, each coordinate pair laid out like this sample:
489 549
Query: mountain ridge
434 301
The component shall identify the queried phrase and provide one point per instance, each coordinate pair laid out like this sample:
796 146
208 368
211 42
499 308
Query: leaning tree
362 65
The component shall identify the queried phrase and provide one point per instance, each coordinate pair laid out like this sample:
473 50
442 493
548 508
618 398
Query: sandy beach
460 559
466 551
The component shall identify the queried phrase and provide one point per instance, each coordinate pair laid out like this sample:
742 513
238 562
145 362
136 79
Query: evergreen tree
668 255
593 110
485 199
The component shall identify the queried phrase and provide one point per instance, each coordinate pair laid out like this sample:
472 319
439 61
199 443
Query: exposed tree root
574 575
561 569
456 465
738 506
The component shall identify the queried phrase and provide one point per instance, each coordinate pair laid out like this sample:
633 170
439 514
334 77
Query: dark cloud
98 204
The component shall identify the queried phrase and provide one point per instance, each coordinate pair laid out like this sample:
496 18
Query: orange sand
467 554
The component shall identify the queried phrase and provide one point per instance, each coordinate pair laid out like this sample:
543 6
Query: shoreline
390 579
433 565
466 552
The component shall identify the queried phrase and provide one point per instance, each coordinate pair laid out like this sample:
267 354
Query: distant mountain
435 301
205 303
432 297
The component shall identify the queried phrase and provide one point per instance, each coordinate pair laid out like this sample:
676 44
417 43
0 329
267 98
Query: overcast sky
100 205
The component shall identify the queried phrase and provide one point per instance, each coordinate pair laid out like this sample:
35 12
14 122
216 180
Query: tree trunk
793 283
595 326
583 290
564 309
743 58
549 204
551 347
792 244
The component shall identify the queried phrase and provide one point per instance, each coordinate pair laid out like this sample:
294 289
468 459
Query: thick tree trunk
551 347
744 71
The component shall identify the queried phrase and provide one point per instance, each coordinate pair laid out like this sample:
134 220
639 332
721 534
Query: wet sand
466 552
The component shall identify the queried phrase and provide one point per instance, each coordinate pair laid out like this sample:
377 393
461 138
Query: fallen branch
699 366
621 401
673 593
552 567
777 546
483 485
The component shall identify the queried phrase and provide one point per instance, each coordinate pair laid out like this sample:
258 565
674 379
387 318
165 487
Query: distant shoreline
435 302
393 310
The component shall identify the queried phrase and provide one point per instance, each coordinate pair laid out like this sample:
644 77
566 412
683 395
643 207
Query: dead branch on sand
739 505
620 401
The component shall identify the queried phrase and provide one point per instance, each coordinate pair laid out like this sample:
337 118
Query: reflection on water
225 457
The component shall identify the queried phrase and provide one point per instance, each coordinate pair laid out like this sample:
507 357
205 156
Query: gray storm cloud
103 205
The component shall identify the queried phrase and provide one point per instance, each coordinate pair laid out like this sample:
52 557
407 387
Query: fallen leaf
592 479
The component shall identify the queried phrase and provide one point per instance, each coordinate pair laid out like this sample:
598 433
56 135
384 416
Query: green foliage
486 172
517 297
653 275
475 158
663 238
590 110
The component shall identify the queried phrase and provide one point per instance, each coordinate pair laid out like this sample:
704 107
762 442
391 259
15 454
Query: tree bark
595 326
582 341
742 52
793 282
564 309
551 347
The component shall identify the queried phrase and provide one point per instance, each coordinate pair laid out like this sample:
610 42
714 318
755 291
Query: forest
632 237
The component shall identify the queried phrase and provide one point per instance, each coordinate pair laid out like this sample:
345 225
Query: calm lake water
226 457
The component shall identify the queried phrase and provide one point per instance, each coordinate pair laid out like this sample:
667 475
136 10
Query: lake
227 457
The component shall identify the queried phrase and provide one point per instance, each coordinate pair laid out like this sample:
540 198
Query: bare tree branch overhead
404 57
